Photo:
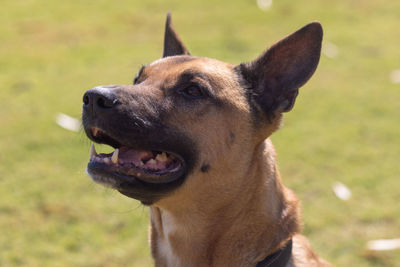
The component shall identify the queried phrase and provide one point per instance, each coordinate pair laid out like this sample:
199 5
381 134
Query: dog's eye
192 91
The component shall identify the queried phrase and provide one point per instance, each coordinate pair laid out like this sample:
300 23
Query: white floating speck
395 76
341 191
68 122
264 4
384 244
330 49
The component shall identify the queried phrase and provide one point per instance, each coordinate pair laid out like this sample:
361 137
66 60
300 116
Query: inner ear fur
173 45
273 79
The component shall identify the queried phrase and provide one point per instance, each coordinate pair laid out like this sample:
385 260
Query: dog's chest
166 244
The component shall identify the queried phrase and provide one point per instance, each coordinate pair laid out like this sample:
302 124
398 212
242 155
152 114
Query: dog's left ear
173 45
276 75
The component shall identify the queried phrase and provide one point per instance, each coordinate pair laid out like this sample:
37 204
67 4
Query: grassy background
345 125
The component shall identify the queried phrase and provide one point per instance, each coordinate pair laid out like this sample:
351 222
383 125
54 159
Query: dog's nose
99 99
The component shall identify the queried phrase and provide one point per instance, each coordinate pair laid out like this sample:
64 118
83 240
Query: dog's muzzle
149 159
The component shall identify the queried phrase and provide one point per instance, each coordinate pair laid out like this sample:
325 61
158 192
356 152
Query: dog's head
187 119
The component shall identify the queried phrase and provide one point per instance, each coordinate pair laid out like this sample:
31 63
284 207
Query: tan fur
226 204
237 212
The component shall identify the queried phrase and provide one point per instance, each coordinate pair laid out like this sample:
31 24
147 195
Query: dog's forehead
176 65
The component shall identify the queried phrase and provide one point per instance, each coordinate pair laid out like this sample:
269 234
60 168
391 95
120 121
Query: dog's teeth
114 157
162 157
93 152
151 162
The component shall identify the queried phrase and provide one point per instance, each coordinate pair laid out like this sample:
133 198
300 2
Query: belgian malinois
191 139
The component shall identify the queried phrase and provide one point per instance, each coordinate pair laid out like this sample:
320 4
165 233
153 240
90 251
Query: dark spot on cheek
232 137
205 168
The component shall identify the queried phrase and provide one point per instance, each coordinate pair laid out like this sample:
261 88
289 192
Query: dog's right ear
273 79
173 45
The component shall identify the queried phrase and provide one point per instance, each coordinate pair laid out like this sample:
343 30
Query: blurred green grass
345 125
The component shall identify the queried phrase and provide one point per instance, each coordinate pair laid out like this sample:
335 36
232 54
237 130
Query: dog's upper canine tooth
93 152
114 157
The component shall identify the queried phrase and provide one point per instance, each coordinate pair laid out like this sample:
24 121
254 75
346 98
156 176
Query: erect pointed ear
276 75
173 45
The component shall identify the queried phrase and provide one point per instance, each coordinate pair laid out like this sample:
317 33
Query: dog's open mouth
126 164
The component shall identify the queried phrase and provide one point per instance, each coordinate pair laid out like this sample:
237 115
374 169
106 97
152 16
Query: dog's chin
135 187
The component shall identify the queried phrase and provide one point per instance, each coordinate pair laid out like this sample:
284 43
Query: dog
191 140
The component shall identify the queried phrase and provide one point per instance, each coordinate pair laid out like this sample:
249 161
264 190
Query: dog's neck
242 231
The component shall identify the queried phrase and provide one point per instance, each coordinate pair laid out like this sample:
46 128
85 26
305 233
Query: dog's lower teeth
162 157
151 162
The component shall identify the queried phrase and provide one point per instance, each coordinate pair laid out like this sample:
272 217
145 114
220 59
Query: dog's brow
191 74
203 78
200 78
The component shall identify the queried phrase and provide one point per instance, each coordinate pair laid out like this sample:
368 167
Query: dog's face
186 119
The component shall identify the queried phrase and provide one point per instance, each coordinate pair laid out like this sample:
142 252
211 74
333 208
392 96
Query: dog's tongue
144 158
128 155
